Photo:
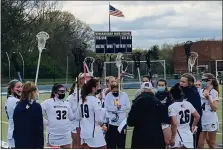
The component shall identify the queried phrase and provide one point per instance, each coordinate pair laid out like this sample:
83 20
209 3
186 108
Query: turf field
131 93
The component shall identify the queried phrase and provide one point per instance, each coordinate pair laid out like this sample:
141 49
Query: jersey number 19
84 110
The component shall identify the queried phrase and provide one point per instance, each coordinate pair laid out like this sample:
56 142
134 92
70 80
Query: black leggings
115 139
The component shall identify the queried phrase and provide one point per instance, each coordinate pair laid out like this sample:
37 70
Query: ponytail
215 85
84 93
87 88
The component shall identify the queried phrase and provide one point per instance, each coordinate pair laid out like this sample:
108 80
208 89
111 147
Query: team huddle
182 117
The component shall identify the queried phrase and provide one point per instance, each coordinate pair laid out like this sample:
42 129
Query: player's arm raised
126 106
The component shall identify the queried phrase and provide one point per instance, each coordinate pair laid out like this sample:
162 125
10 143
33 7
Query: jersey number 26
185 116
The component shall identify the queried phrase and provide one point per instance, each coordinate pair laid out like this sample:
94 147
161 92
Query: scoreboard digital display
113 42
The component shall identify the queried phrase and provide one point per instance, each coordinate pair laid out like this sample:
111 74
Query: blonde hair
114 85
190 78
28 91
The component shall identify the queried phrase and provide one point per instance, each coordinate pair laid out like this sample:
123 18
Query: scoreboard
113 42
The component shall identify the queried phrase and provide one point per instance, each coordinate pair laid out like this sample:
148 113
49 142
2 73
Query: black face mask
115 94
61 96
98 91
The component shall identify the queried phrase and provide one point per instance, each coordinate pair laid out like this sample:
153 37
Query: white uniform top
59 114
208 116
10 105
182 110
89 115
73 101
112 108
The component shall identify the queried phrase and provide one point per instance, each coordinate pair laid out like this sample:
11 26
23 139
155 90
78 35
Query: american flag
115 12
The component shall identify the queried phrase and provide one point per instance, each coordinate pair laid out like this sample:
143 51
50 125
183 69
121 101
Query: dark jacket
146 117
28 126
165 99
192 96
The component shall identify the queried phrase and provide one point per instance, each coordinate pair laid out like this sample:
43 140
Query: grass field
131 92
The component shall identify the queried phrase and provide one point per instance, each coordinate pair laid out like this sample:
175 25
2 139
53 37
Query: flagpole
109 19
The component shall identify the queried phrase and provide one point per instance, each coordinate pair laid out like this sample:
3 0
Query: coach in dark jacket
28 120
146 117
191 94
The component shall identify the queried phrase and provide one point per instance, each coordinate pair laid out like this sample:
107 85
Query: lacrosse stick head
42 37
136 58
192 59
100 64
89 61
119 60
187 47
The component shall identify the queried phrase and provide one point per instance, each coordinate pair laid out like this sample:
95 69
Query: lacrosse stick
119 64
148 62
41 37
136 59
192 60
125 65
100 64
89 62
16 65
187 47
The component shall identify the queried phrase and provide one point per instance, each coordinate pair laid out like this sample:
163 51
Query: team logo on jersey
169 110
27 106
213 125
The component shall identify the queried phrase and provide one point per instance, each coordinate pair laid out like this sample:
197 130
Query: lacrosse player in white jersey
14 91
117 104
209 119
74 103
88 114
180 112
59 114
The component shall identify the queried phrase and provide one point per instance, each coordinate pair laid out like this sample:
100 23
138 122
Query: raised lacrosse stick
148 63
89 62
119 64
100 64
125 65
41 37
16 65
136 58
192 60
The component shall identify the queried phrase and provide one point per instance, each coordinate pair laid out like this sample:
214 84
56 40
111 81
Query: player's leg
212 140
201 141
121 138
111 137
78 129
67 146
74 139
196 137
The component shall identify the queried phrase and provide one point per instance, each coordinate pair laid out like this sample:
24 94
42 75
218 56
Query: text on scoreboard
113 42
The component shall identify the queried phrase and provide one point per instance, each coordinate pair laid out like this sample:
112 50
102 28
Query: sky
154 22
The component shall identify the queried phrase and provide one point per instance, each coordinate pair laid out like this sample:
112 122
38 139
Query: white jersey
73 101
209 116
182 110
89 115
59 114
117 116
10 105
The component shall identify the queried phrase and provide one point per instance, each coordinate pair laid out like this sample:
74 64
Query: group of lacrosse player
96 117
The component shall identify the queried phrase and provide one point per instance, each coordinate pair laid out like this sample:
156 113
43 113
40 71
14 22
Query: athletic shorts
186 139
11 143
210 127
58 140
164 126
95 142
